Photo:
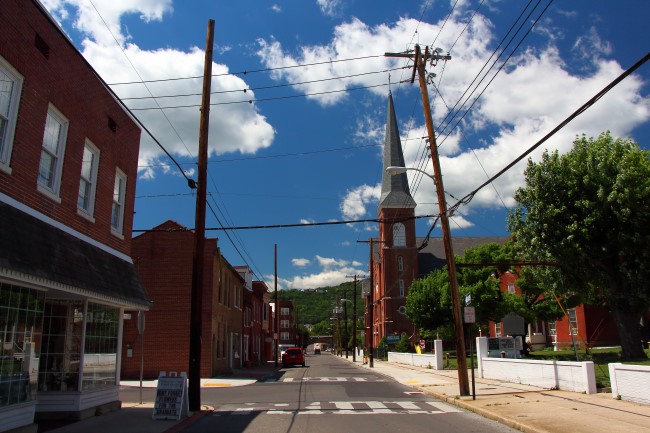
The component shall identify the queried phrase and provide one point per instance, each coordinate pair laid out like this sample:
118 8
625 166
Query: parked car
293 356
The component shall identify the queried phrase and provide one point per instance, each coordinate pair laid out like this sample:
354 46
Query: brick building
287 335
398 257
68 165
163 258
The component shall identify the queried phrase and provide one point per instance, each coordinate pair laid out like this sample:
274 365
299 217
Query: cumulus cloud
239 128
356 200
330 271
532 95
300 263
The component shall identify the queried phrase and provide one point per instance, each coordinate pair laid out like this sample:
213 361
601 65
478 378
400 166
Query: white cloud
355 201
276 8
532 95
332 273
301 263
307 221
237 128
329 7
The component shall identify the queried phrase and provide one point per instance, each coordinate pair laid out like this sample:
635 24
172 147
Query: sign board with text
171 397
469 315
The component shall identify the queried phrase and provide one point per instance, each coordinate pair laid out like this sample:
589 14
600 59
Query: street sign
392 339
470 315
468 299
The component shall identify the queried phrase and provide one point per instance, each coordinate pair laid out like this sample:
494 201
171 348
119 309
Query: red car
293 356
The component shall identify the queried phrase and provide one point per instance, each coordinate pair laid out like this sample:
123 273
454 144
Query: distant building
288 335
68 167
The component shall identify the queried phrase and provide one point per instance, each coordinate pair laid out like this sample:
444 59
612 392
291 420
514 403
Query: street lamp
451 269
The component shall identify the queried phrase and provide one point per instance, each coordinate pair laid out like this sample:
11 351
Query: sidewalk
526 408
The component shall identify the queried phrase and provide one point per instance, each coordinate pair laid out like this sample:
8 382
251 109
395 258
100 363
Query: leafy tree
589 209
482 283
428 304
322 328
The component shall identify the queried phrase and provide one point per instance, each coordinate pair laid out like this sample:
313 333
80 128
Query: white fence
630 382
424 360
568 376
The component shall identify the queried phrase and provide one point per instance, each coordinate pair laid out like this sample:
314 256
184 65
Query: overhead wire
467 198
248 72
275 86
190 182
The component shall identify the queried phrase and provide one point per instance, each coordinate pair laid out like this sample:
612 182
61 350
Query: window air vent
112 125
42 46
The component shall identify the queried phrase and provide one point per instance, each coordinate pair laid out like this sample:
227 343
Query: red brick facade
164 262
394 270
64 79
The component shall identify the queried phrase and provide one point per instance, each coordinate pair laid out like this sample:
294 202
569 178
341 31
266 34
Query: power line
467 198
327 62
281 226
275 86
250 101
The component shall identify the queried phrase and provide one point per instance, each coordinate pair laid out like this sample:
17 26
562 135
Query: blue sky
306 151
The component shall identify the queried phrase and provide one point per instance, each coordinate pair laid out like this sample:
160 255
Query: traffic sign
470 315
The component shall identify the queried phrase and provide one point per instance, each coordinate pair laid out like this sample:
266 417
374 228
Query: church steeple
395 191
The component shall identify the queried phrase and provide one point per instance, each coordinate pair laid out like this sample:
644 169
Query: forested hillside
316 305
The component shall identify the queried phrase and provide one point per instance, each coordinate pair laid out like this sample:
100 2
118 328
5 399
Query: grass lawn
600 357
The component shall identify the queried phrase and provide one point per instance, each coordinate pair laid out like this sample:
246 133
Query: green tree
322 328
482 282
589 209
428 303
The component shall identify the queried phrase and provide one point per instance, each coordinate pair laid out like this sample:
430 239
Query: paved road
331 395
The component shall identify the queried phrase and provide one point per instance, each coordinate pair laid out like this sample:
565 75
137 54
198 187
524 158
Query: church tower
396 256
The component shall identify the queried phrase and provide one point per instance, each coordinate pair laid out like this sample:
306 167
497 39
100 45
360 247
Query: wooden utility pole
277 305
418 67
196 322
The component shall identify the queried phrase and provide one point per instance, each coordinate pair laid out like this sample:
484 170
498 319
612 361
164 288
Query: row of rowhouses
238 329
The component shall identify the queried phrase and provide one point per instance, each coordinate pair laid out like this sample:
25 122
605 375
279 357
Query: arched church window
400 263
399 235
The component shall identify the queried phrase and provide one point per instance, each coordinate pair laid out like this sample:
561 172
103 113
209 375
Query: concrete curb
481 411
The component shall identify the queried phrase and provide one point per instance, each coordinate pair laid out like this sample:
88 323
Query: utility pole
371 309
418 67
196 321
277 305
354 318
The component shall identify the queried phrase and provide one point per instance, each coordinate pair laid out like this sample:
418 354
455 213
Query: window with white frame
400 263
497 329
573 321
399 235
284 323
284 311
401 287
54 138
511 288
119 194
11 84
88 179
284 336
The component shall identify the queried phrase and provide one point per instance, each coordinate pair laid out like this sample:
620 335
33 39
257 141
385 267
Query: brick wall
164 263
64 79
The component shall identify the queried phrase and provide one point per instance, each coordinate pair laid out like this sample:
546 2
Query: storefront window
100 351
21 315
61 348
